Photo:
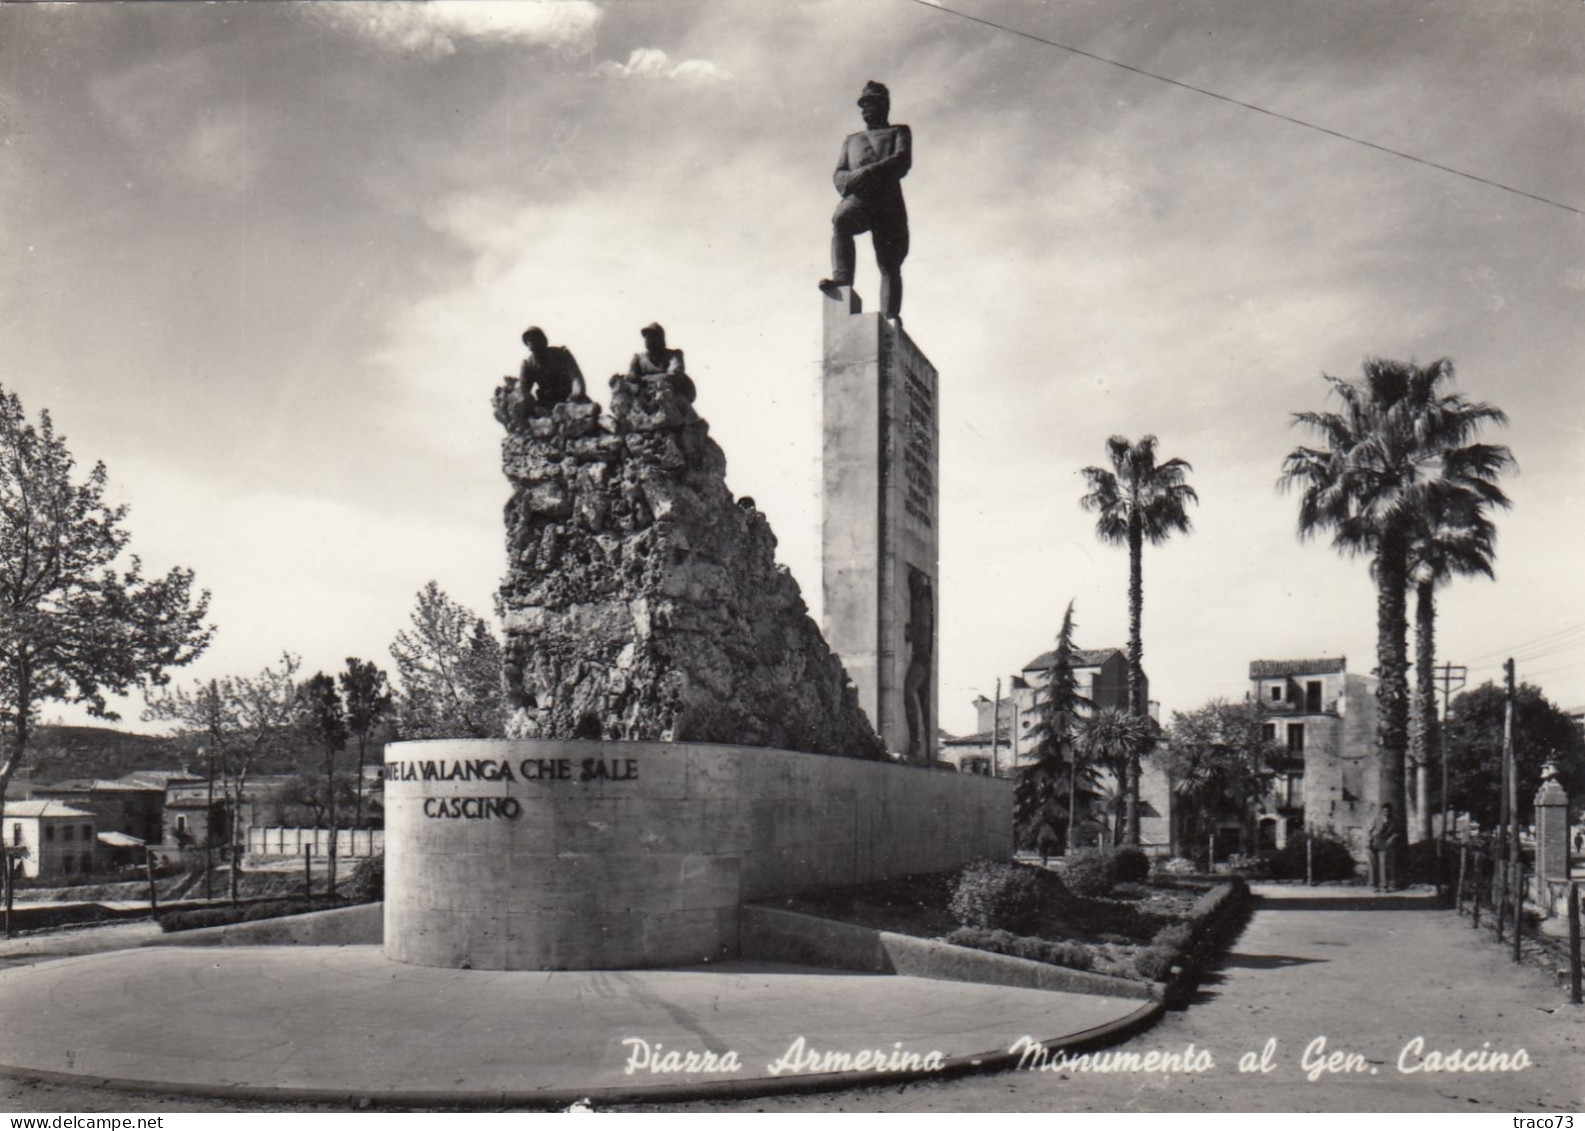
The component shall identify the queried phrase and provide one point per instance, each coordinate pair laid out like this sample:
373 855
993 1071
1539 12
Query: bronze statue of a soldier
548 376
869 170
658 358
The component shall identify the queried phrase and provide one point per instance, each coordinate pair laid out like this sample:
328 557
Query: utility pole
996 727
1508 854
1511 789
1445 676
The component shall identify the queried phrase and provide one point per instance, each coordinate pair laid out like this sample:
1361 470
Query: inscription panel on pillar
911 554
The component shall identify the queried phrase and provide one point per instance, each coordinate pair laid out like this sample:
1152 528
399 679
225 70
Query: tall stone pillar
880 437
1551 827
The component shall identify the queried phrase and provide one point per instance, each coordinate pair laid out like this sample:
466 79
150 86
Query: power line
1250 106
1552 639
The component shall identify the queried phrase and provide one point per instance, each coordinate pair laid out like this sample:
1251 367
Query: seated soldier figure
657 358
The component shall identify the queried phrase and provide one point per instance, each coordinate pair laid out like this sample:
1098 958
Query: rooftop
43 809
1082 658
1277 669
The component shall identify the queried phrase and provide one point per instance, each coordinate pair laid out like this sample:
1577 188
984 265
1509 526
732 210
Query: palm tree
1399 449
1055 770
1457 538
1113 738
1137 500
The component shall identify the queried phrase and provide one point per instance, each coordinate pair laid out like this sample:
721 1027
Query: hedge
1072 955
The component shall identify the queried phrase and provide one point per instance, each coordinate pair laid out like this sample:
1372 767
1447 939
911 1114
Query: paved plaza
322 1023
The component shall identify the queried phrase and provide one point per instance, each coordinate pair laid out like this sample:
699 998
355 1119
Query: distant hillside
57 753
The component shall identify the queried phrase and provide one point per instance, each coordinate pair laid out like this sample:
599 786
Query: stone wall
569 855
644 602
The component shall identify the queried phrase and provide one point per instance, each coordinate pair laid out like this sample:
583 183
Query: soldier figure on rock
549 376
656 358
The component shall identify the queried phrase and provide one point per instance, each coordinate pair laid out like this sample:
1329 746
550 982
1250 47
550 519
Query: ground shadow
1351 903
1266 961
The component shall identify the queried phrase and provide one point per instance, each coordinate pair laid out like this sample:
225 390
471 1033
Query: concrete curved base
345 1023
585 855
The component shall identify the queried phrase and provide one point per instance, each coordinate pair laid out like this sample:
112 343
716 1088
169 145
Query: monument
880 434
682 740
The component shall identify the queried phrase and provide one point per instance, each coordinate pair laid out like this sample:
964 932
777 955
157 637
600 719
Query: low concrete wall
340 926
549 854
771 934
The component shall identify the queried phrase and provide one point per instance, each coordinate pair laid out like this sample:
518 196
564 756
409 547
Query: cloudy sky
268 260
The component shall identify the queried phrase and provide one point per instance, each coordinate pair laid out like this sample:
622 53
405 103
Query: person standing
1383 841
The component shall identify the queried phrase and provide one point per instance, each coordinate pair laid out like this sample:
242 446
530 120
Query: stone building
134 808
1101 675
56 840
1324 718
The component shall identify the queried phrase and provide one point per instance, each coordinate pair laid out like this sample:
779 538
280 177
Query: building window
1268 732
1295 738
66 865
49 832
88 862
1275 691
1295 790
16 832
66 832
88 832
1312 697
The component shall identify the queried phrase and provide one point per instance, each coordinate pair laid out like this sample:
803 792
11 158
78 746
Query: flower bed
1144 932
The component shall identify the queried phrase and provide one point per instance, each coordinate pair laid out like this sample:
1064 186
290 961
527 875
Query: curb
968 1064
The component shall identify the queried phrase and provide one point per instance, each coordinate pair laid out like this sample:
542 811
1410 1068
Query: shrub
1053 953
1424 867
1252 867
994 895
1133 866
1154 963
367 883
1332 858
1090 873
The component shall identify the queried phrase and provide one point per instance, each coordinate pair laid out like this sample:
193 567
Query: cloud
168 113
653 63
433 27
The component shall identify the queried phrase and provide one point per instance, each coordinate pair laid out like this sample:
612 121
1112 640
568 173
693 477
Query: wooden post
154 896
1458 894
1309 860
1518 908
1476 918
308 874
1573 943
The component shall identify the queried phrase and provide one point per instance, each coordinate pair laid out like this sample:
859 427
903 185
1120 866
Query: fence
350 843
1495 891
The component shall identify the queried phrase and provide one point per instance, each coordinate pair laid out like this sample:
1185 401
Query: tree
75 625
1113 738
368 700
1055 770
1137 500
1454 537
1219 760
325 720
240 718
449 668
1400 443
1542 732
